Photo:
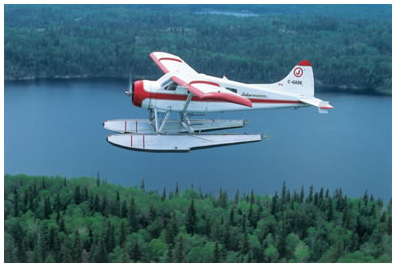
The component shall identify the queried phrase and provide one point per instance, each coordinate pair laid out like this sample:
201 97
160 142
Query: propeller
269 136
130 87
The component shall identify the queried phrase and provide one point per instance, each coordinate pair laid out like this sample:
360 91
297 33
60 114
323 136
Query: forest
349 46
54 219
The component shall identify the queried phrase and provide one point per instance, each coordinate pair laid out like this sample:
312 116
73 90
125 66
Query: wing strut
190 95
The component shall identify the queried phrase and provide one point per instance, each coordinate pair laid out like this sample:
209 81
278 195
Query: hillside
54 219
349 46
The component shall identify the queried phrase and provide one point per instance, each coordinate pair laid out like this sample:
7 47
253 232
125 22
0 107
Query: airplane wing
210 90
184 75
323 106
171 63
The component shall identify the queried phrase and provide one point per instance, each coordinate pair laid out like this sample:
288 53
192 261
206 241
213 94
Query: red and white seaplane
181 89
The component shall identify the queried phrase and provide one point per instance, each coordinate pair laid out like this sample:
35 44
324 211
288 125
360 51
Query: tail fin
300 83
300 80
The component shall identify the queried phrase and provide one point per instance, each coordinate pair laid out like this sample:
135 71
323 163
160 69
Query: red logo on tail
298 72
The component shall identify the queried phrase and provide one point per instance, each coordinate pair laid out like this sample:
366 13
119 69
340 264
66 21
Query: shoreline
322 88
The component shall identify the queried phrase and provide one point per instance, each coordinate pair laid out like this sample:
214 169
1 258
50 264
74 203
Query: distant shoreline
321 88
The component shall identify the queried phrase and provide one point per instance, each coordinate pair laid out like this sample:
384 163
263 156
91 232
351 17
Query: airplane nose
139 94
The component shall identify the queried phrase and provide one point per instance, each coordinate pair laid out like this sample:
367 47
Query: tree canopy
349 46
46 221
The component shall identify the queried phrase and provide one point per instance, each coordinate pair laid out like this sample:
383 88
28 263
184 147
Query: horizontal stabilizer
323 106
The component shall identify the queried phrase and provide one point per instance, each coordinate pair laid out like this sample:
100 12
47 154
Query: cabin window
232 90
172 87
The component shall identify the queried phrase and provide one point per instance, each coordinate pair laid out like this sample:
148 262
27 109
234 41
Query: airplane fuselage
165 95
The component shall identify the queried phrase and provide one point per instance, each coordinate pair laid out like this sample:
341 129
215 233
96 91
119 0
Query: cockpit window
165 83
171 87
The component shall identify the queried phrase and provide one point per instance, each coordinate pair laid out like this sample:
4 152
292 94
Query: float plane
181 89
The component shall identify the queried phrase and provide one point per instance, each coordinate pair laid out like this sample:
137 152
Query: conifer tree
135 254
26 199
310 194
57 203
122 234
227 237
232 222
389 225
117 205
250 214
191 219
163 198
274 204
103 207
142 186
169 255
124 211
252 200
330 210
76 252
216 253
96 206
62 226
16 206
85 194
56 246
21 253
43 185
283 195
98 251
302 194
109 239
177 189
365 197
245 244
132 216
180 256
65 253
200 193
288 197
236 197
77 195
47 208
97 179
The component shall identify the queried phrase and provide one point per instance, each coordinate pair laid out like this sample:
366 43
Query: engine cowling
139 93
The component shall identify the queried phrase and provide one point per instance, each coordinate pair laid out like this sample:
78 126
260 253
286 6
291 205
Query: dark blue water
55 128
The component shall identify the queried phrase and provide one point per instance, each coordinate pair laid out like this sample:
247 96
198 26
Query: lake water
55 127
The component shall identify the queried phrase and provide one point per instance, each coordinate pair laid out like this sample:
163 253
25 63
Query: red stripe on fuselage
162 96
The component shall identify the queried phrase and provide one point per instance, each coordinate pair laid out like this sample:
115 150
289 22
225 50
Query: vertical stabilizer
300 80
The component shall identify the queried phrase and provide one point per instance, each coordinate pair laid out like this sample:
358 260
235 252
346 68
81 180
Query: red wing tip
249 104
305 63
327 107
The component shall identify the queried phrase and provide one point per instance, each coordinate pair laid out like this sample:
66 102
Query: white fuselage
165 98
